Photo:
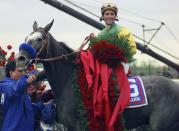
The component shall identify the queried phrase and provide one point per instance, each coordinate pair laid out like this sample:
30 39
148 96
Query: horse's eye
39 39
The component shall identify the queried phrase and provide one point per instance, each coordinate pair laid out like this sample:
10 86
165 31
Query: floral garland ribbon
84 98
96 90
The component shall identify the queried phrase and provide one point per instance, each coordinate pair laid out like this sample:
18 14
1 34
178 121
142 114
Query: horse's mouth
21 58
22 62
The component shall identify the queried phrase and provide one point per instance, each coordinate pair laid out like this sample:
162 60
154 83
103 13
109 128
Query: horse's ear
35 26
47 27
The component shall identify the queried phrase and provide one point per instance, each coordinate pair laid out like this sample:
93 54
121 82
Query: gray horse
161 113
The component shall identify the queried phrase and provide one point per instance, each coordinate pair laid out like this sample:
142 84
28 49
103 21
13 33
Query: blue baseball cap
29 49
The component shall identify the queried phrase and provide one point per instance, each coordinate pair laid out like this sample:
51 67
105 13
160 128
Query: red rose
108 53
12 54
11 59
9 47
3 62
4 52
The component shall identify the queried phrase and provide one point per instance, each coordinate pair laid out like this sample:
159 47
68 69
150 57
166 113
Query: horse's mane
63 47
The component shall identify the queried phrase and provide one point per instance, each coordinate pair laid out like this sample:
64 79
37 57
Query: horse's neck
58 75
59 72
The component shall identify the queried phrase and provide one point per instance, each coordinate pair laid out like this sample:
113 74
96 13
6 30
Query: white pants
126 67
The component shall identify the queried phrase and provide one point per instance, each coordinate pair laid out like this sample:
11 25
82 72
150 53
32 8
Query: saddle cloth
137 95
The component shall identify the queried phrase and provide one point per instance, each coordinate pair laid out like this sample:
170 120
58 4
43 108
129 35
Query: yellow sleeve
124 32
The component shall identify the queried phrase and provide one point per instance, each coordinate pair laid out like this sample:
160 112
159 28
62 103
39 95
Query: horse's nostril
21 58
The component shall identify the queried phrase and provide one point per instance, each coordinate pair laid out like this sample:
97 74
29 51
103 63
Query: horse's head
22 60
38 40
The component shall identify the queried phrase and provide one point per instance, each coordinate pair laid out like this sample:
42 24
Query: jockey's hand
87 39
91 36
31 79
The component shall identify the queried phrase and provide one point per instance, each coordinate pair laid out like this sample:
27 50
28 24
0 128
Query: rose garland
79 80
112 55
84 98
122 43
108 53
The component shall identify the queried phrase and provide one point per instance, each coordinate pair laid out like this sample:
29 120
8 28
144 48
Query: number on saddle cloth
138 96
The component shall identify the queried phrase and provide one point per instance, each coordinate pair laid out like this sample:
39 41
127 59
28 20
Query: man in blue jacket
17 107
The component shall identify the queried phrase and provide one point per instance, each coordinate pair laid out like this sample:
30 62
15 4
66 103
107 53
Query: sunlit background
141 17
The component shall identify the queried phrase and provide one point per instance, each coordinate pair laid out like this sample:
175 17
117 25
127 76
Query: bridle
45 47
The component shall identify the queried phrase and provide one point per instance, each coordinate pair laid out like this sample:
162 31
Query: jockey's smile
109 17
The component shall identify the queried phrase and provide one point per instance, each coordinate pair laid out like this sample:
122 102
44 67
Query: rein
86 40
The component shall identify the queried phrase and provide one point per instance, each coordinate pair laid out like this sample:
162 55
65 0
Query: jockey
105 61
115 34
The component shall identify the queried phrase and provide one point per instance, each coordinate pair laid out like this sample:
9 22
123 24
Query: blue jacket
17 107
